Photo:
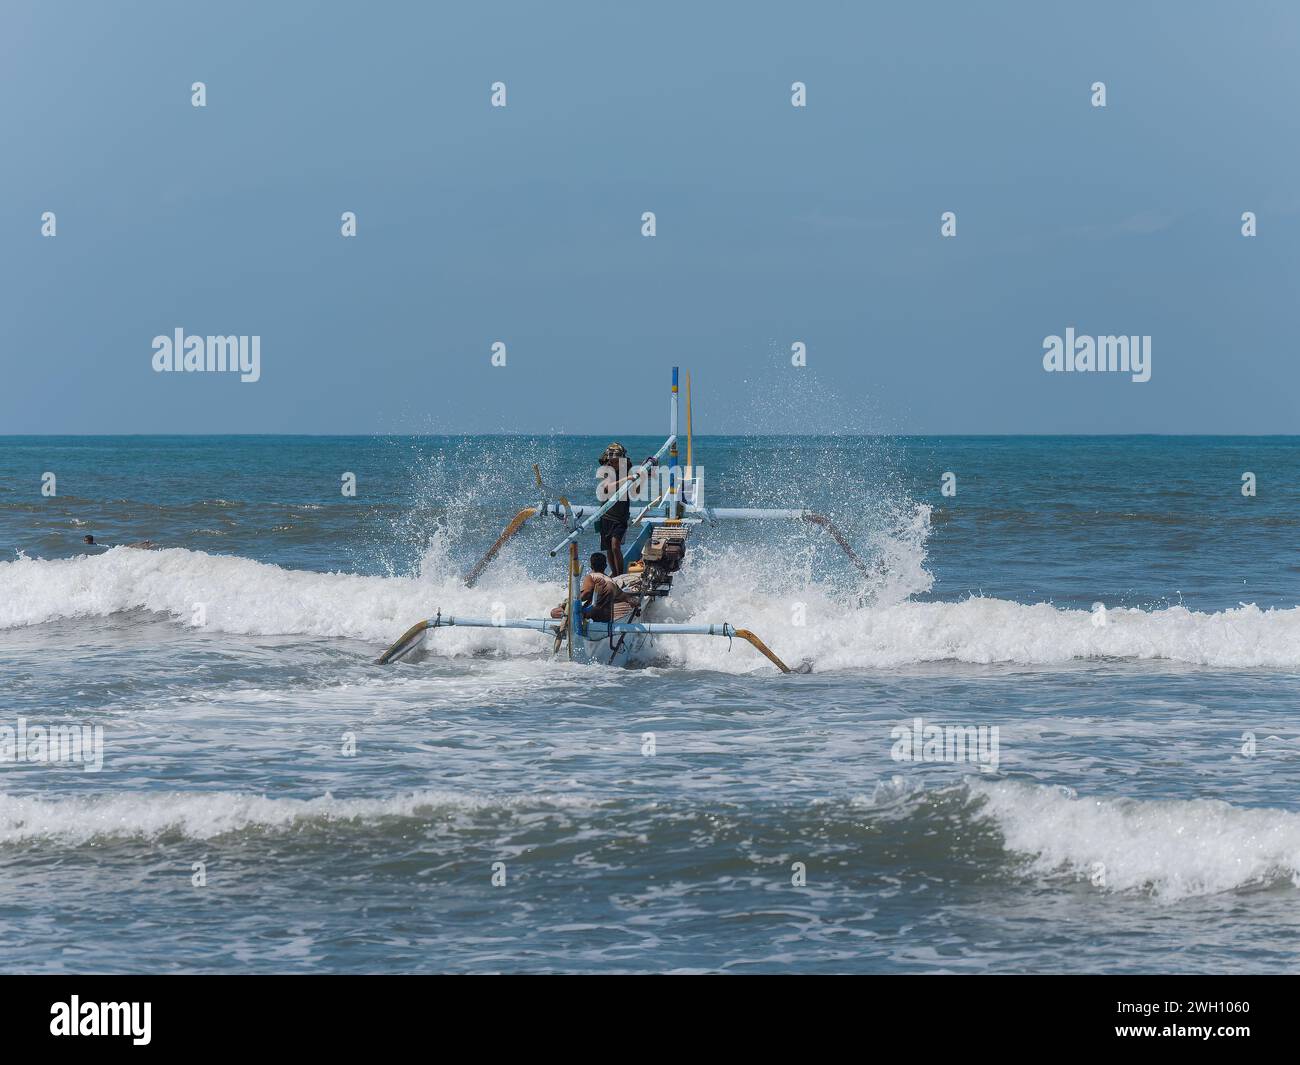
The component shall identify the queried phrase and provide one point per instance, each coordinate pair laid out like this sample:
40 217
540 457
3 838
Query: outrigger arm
726 629
414 637
810 516
516 523
585 515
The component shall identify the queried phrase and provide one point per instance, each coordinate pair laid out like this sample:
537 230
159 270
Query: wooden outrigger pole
653 556
412 639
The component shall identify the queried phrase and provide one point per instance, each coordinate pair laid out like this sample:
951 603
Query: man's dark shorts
610 530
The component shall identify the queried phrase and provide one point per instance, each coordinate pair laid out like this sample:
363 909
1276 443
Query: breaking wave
800 617
208 815
1165 849
1174 848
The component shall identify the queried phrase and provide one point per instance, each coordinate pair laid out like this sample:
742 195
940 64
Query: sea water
270 800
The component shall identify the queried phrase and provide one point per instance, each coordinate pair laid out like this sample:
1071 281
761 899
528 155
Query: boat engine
666 549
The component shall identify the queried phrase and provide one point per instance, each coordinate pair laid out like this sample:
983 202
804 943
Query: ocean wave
229 594
208 815
1172 849
1168 849
801 619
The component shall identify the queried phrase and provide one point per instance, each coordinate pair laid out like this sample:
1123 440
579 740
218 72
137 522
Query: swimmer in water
143 545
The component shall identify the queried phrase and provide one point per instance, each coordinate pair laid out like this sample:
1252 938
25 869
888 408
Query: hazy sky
775 224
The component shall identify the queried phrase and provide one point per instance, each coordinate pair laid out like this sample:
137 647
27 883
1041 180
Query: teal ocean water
269 799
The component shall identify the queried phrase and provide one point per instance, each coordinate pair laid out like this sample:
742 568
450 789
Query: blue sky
775 224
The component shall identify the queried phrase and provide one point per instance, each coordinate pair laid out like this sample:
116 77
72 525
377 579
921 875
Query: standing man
613 525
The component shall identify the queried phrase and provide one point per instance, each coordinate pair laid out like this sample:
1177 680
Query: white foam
206 815
1171 848
801 619
239 595
837 636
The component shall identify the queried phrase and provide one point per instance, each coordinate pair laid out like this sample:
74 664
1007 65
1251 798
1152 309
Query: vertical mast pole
673 509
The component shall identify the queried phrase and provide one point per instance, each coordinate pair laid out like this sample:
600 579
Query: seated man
611 602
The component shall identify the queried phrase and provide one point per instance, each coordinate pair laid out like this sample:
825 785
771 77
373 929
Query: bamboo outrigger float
658 533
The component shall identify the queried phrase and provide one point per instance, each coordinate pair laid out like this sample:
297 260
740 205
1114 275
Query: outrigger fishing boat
658 535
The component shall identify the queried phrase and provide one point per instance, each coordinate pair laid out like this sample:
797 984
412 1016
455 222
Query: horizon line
697 436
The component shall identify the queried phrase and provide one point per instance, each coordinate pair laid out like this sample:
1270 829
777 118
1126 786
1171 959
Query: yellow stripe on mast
690 469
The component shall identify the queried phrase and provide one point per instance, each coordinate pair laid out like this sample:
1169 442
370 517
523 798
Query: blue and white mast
671 509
